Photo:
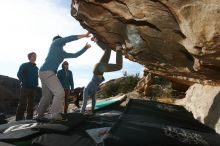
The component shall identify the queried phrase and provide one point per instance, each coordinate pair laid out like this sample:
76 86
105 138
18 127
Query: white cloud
29 25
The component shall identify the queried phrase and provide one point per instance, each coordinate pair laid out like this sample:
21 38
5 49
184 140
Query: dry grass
168 100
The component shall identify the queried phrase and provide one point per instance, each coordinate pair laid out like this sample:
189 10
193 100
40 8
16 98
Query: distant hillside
9 93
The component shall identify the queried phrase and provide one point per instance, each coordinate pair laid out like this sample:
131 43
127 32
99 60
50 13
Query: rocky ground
9 93
159 89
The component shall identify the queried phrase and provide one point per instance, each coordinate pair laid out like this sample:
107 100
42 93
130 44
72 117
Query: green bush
129 84
125 85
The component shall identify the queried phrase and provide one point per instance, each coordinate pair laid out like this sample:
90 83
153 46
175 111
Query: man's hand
87 45
87 35
94 39
119 47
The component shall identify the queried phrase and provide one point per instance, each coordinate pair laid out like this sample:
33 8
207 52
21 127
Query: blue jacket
28 75
66 78
56 53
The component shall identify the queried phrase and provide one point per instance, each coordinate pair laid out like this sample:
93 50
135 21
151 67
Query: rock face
9 93
204 103
176 39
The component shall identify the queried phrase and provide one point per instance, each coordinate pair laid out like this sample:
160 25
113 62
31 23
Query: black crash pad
71 121
18 131
148 123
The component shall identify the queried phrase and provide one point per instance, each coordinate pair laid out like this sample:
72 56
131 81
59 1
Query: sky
29 26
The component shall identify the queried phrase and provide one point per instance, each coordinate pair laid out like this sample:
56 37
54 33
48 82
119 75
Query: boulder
176 39
204 102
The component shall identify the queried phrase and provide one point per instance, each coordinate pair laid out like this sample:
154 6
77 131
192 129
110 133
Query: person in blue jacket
66 79
28 75
51 86
102 66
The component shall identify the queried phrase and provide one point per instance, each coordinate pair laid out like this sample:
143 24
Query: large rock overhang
179 40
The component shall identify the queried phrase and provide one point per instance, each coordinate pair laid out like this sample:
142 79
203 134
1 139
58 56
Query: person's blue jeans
86 94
